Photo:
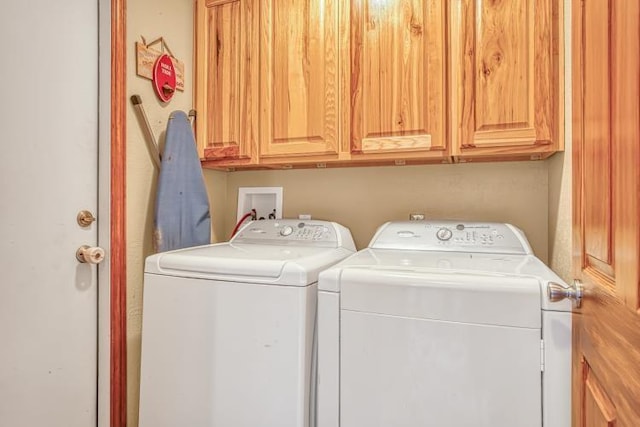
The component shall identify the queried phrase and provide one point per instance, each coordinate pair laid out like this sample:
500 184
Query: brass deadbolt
85 218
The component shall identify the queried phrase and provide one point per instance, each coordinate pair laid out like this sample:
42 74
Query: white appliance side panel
306 357
405 372
328 409
224 354
556 380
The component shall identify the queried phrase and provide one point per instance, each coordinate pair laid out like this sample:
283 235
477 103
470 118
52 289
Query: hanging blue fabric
182 216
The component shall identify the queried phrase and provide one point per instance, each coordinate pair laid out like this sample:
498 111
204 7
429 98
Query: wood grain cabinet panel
299 86
225 128
506 77
396 88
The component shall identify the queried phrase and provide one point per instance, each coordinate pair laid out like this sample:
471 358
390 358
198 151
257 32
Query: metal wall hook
152 143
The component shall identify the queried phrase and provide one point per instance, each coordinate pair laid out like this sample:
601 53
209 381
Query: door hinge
541 355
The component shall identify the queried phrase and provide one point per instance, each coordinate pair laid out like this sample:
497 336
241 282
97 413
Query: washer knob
444 234
286 230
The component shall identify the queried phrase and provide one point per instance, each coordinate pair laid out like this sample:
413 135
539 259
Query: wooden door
299 80
506 84
225 81
395 105
48 173
606 162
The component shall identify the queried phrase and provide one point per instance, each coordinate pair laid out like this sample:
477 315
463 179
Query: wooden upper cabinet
395 90
313 82
506 86
299 79
226 106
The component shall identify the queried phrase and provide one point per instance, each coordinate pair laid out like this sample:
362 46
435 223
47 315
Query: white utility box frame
263 199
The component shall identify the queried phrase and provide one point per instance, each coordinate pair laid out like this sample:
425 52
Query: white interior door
48 173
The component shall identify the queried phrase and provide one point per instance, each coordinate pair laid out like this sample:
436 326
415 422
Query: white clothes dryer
228 329
443 323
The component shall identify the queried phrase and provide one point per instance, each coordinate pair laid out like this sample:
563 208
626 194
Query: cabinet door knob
575 292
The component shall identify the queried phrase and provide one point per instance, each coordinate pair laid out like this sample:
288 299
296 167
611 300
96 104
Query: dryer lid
489 299
388 262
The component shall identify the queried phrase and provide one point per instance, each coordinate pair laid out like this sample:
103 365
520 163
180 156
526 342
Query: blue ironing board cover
182 215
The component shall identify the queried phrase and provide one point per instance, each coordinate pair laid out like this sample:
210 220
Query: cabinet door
298 79
396 85
505 77
606 194
225 128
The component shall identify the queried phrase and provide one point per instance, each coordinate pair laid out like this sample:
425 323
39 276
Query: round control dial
286 230
444 234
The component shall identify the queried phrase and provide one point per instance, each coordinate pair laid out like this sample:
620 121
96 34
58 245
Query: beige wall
560 167
173 20
560 214
364 198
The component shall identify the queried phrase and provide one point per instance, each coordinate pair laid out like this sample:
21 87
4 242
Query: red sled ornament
164 78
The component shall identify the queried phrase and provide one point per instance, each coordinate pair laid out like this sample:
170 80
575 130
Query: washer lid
274 264
453 297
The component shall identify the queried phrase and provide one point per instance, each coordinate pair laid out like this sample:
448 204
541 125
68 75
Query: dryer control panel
455 236
282 231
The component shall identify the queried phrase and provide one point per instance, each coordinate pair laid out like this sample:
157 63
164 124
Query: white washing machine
228 329
443 324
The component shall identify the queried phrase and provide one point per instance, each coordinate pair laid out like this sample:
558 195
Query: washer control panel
461 236
314 232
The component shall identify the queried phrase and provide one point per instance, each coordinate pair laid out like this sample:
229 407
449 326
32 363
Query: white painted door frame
104 212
